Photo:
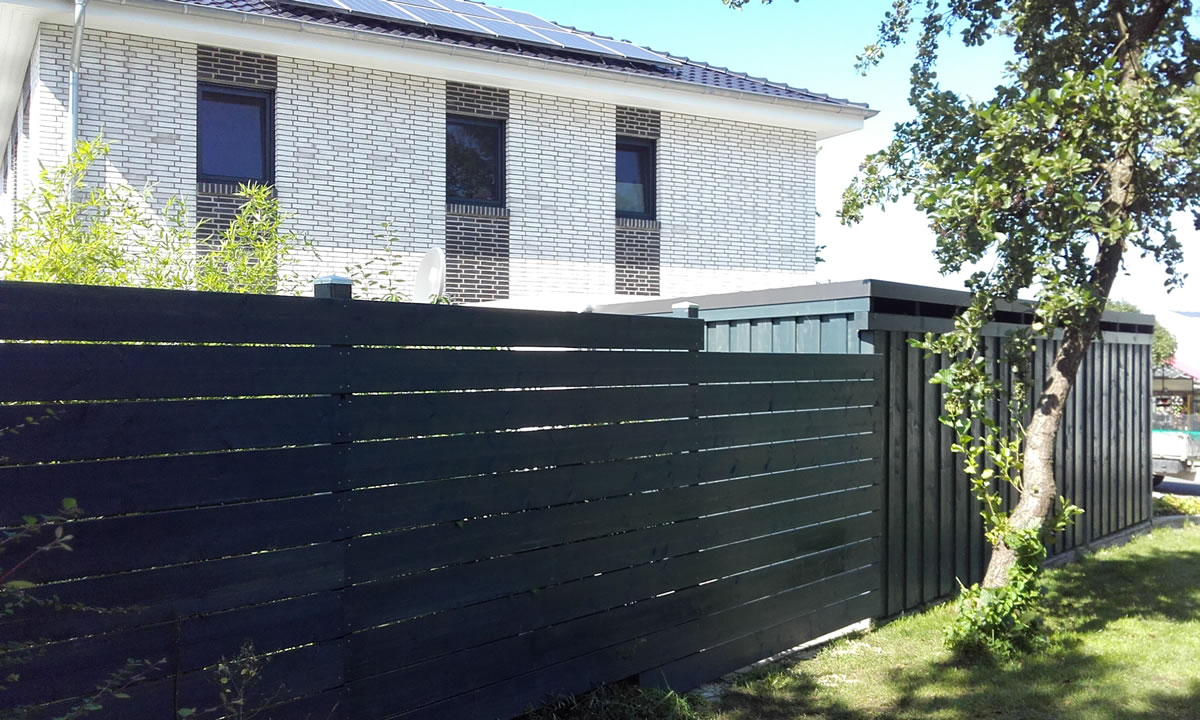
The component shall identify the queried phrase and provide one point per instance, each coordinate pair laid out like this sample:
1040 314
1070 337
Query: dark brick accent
235 67
637 259
476 258
463 99
217 209
635 122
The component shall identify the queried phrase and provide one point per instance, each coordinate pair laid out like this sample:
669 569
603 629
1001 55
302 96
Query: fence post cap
686 310
333 286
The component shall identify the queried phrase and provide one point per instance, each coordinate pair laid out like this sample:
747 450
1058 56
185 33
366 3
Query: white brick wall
356 149
139 93
562 193
737 205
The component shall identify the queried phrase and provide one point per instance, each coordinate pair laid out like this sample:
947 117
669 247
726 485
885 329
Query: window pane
230 135
473 161
632 171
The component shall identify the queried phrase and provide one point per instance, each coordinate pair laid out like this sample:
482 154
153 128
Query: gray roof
688 70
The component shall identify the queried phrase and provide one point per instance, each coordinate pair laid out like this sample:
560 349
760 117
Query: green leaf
70 504
19 585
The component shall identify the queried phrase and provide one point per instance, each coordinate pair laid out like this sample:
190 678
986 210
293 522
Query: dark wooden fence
415 529
933 530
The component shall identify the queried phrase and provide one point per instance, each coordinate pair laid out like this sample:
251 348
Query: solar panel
630 50
525 18
574 42
512 31
446 19
331 4
467 8
477 19
378 8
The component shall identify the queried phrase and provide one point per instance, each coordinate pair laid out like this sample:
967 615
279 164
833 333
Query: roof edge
290 37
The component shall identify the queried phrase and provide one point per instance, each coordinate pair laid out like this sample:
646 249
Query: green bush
68 229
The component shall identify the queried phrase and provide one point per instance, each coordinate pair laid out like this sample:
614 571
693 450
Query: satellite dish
431 277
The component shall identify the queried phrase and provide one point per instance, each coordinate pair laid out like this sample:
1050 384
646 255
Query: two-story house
540 158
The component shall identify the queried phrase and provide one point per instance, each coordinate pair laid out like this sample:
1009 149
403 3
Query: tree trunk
1038 491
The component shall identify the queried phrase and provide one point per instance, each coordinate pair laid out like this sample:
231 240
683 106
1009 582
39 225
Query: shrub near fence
426 533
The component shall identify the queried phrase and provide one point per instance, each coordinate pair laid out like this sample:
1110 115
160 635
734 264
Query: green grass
1176 505
1126 646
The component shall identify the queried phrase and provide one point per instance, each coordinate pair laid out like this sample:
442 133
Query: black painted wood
34 311
312 478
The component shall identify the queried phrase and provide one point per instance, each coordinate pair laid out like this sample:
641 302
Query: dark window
635 178
233 134
474 161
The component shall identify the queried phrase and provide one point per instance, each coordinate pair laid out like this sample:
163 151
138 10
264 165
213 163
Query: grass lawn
1127 646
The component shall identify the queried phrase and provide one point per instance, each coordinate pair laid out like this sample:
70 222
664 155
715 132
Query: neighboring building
542 159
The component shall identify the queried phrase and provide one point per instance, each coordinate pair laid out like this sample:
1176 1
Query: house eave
18 31
427 58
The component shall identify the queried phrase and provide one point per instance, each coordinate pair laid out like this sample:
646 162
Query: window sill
638 223
226 187
476 210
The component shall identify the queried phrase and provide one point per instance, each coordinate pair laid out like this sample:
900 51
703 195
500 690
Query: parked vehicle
1175 446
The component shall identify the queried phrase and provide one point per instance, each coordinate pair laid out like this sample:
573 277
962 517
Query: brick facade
218 203
355 149
464 99
477 264
635 122
737 204
138 93
359 148
477 237
638 261
562 193
236 67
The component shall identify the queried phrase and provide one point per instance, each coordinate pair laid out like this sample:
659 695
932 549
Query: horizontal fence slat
45 372
700 668
451 675
113 430
401 506
468 541
34 311
136 542
375 603
112 487
163 483
167 593
126 429
622 660
400 644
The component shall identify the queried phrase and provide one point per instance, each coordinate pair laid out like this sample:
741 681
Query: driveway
1173 486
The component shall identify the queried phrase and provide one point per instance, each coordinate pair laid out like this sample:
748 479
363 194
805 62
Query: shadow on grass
1154 584
1066 681
1040 689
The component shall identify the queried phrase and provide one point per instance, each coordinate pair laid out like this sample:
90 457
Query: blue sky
812 44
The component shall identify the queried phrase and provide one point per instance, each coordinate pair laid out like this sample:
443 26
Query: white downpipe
76 53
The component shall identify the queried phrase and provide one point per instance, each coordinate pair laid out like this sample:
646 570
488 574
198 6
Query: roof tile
688 70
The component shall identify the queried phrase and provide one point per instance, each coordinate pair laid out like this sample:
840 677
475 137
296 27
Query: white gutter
426 58
76 53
